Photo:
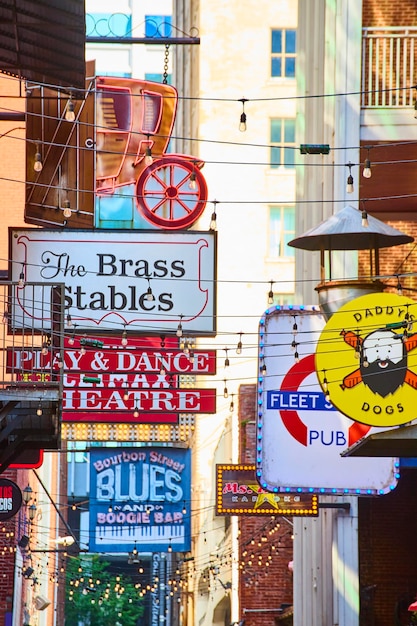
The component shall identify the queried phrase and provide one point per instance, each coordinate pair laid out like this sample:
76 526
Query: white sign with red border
300 435
108 274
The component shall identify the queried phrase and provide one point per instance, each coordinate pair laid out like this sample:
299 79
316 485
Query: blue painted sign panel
140 497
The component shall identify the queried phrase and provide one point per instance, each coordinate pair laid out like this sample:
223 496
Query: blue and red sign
300 434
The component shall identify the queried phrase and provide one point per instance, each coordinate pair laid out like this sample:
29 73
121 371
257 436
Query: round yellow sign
366 359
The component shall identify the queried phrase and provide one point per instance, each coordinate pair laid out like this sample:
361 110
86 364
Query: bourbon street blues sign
107 277
140 496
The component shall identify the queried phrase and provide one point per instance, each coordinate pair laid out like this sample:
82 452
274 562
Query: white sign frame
300 436
107 275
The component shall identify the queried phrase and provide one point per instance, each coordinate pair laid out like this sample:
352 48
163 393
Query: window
281 231
283 299
158 25
283 46
108 24
283 134
158 78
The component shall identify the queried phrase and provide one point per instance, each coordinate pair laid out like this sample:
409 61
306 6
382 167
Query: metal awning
395 442
43 41
344 231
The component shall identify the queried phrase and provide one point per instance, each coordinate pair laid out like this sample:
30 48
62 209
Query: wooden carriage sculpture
111 167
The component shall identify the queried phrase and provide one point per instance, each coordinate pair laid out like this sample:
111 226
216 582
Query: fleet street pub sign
110 382
108 275
140 497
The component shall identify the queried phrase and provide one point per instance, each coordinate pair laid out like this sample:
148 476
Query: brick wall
388 555
397 261
263 589
395 13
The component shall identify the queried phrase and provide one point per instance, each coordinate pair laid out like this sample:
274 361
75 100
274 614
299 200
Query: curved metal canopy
344 231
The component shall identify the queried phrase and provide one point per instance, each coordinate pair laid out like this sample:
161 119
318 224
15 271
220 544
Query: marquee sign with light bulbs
238 493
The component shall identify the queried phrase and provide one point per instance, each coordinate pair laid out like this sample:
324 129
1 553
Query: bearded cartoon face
383 361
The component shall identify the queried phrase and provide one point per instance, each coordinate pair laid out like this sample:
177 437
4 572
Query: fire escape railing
31 368
388 67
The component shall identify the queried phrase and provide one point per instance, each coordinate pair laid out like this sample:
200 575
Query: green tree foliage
94 596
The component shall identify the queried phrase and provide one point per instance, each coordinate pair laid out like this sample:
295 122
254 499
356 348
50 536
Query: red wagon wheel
171 193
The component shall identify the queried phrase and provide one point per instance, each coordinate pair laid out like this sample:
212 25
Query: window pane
281 231
276 125
276 41
290 67
289 219
158 25
289 131
290 40
276 67
288 157
288 250
275 230
275 157
109 24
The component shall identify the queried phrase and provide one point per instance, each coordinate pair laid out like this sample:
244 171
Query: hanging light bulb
179 328
69 111
242 122
149 295
226 361
294 327
213 220
67 208
399 288
39 409
271 294
124 339
232 405
365 222
367 173
60 361
192 183
296 356
38 165
44 350
263 368
148 153
225 390
136 411
71 338
21 281
239 345
326 389
69 321
349 182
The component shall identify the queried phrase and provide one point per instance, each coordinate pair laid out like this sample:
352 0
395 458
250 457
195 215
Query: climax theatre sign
107 276
111 383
